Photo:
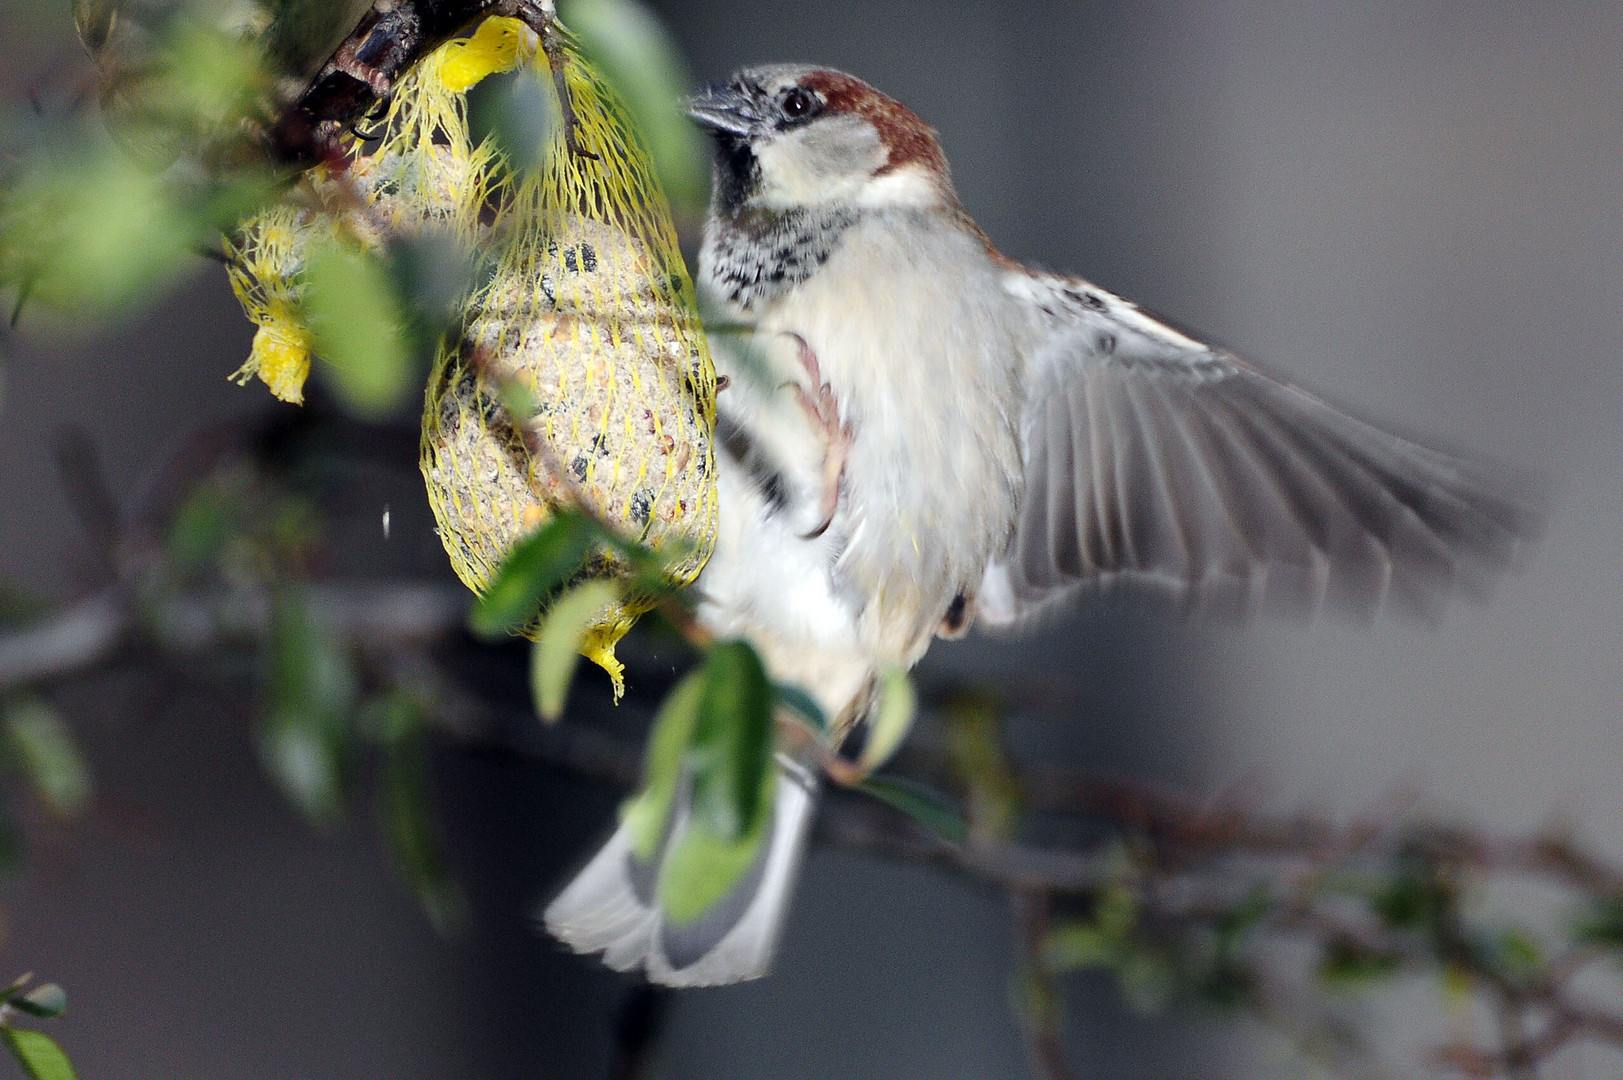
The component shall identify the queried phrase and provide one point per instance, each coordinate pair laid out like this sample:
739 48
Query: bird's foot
824 413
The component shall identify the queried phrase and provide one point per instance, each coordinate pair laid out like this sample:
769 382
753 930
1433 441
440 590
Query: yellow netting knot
280 357
497 46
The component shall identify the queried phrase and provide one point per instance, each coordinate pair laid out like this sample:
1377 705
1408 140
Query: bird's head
792 136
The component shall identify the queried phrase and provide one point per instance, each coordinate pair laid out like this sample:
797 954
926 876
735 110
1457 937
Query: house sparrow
920 432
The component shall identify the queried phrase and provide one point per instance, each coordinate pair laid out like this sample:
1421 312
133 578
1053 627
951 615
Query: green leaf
44 748
891 718
46 1001
515 112
645 66
1116 911
357 326
408 823
803 705
1512 953
537 566
732 746
557 647
703 867
923 804
645 815
305 738
38 1054
201 527
1413 898
90 232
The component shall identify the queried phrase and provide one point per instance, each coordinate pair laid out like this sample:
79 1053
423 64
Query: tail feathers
612 907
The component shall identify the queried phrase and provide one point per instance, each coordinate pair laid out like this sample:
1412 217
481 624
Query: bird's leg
824 413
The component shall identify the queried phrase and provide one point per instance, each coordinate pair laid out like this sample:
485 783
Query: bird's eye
799 103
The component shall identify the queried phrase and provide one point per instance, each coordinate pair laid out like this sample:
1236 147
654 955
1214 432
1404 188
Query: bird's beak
726 109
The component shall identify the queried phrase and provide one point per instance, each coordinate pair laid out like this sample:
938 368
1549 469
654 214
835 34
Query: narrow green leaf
891 718
38 1054
733 741
305 738
46 1001
647 813
201 527
358 327
557 647
803 705
410 831
537 566
301 762
48 755
923 804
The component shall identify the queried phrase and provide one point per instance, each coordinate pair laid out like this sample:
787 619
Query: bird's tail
612 905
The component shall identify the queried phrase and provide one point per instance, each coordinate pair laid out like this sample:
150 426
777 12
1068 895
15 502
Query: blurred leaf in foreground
46 1001
533 570
646 814
640 58
357 324
732 742
87 231
45 753
38 1054
557 647
305 738
891 718
924 805
406 808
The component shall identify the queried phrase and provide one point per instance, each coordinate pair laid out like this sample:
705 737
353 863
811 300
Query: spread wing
1154 458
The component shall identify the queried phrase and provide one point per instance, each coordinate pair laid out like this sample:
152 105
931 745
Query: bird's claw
824 413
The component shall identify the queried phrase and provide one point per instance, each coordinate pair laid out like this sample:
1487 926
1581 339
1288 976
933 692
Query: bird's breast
912 333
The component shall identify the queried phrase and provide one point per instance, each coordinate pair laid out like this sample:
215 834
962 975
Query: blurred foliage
39 746
1174 904
642 61
557 648
306 734
358 326
38 1055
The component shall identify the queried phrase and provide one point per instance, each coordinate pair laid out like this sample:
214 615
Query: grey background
1412 208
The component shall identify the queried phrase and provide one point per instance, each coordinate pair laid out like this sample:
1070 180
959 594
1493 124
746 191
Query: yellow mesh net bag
587 316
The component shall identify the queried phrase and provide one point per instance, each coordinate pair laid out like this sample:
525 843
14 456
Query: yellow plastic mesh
424 175
588 312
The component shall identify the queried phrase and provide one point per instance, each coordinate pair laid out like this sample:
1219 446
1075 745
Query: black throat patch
752 256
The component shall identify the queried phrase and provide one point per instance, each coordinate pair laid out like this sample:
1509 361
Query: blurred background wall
1412 208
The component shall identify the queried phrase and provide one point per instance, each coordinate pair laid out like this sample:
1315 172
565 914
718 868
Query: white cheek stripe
911 186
